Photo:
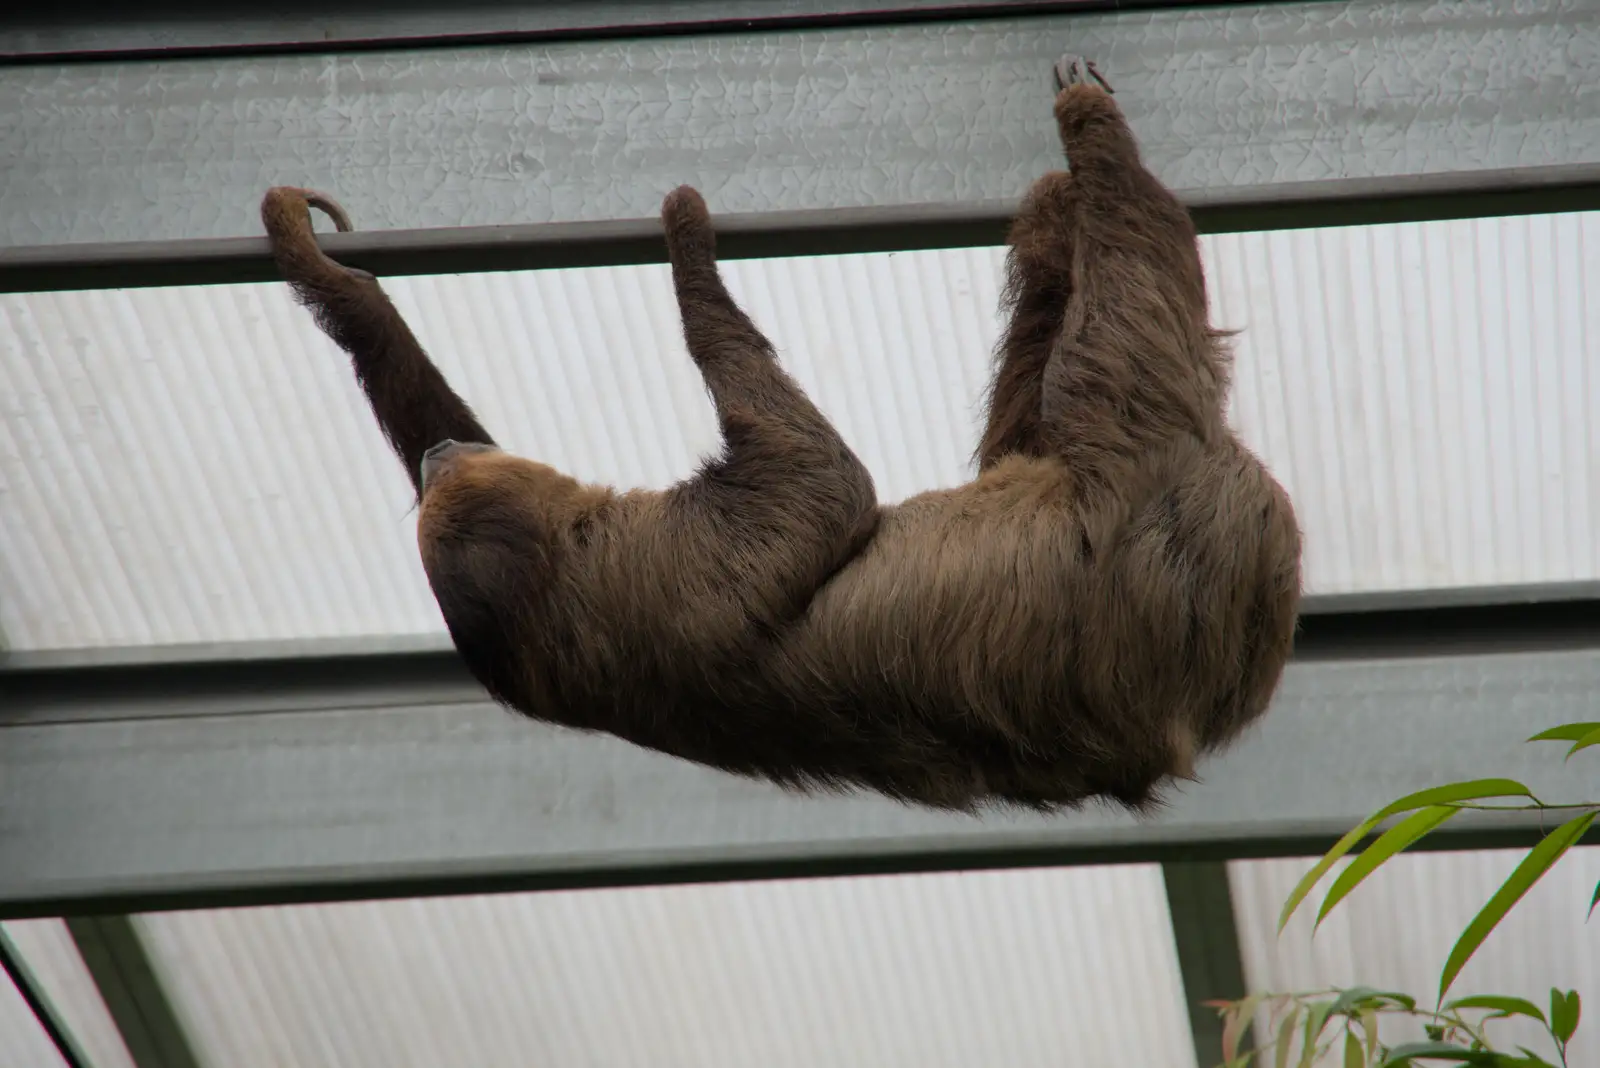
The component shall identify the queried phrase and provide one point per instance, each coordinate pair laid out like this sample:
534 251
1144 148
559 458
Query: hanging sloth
1111 597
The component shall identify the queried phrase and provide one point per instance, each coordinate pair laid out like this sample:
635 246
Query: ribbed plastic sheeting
198 465
51 957
1072 966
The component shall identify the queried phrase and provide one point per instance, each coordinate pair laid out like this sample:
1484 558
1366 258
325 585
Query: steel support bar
1267 114
126 978
1207 938
33 995
76 29
255 780
817 232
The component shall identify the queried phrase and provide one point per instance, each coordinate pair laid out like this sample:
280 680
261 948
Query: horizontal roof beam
854 139
254 781
84 29
814 232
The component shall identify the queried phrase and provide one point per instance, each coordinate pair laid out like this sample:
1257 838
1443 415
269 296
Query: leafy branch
1303 1020
1310 1026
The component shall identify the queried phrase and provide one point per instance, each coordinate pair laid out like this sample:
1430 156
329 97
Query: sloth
1112 596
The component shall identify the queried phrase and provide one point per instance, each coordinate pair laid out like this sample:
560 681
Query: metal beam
1207 937
38 1002
129 788
76 29
126 977
817 232
1268 114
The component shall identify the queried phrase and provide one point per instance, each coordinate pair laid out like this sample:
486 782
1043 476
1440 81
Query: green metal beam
126 977
1203 925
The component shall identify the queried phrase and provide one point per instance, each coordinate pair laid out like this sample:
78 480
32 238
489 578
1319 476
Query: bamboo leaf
1352 1051
1590 739
1459 791
1280 1057
1316 1019
1593 901
1329 859
1533 866
1238 1019
1502 1006
1567 732
1564 1013
1388 844
1471 790
1534 1060
1435 1050
1350 998
1369 1026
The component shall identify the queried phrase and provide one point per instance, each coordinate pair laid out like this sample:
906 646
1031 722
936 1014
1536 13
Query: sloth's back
1017 637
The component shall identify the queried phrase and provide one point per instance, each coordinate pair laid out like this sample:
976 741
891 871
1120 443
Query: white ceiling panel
23 1043
48 950
1067 966
197 465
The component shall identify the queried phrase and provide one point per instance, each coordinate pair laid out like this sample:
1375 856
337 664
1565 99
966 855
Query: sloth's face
486 516
483 529
446 457
476 498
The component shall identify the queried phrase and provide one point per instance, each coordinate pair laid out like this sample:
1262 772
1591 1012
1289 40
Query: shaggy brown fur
1112 596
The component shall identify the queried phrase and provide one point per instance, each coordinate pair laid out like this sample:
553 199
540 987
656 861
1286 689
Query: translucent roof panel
197 465
48 950
1071 966
23 1042
1396 930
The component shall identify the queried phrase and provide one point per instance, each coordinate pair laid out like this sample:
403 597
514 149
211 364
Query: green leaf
1533 866
1369 1024
1329 859
1316 1019
1388 844
1564 1013
1360 996
1435 1050
1280 1057
1593 901
1237 1019
1460 791
1567 732
1471 790
1352 1051
1592 738
1502 1006
1351 997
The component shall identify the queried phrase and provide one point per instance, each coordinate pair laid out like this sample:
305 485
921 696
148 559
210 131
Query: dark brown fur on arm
415 406
1111 598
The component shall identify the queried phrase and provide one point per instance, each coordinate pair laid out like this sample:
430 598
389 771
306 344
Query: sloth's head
477 498
447 458
489 519
483 528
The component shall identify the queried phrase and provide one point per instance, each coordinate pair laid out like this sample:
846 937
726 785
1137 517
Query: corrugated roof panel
51 956
1028 967
1396 930
197 465
23 1043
